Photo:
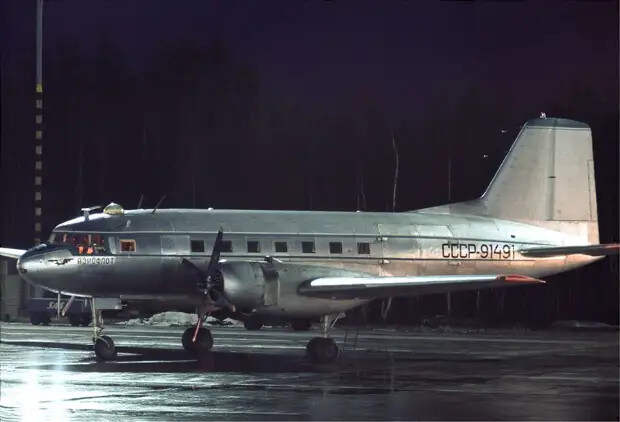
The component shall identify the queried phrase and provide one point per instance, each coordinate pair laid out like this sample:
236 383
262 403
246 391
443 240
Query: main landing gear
198 339
324 349
104 345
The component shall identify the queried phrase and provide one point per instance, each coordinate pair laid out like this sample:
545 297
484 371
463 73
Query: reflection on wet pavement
50 373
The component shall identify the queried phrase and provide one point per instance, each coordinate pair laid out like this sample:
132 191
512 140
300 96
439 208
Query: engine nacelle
244 284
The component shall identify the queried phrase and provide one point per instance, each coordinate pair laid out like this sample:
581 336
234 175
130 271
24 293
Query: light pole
38 133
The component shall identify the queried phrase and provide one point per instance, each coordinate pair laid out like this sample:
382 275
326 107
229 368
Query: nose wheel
103 345
104 348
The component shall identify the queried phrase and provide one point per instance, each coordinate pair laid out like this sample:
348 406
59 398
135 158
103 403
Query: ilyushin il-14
537 217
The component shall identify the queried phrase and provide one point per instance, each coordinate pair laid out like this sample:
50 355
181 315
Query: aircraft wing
373 287
592 250
11 253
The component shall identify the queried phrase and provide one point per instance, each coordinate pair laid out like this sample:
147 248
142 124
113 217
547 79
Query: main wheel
204 340
104 348
300 324
252 323
322 350
34 318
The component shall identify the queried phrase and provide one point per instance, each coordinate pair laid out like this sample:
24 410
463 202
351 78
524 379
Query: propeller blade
209 279
215 254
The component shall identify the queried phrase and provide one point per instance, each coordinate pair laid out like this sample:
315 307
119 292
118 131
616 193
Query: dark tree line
194 123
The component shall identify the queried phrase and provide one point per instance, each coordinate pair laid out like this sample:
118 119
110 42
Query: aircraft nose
47 266
28 265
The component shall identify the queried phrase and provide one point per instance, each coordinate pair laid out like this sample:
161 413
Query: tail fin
548 174
546 179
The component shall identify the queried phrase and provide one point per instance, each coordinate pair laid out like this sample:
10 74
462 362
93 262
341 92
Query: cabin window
363 248
253 246
226 246
281 247
128 245
335 247
307 247
198 245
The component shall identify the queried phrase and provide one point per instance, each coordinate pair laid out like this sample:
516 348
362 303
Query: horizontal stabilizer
374 287
592 250
11 253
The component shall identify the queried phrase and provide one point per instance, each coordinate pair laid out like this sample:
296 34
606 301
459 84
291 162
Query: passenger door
399 247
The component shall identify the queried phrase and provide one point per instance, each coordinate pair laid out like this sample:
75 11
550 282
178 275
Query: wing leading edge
373 287
592 250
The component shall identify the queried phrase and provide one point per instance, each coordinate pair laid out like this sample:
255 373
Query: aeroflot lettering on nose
95 260
478 251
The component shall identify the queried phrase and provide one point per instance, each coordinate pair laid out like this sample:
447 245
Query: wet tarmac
50 373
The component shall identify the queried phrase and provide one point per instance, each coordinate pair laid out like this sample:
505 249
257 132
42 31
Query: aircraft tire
104 348
322 350
300 324
253 324
204 341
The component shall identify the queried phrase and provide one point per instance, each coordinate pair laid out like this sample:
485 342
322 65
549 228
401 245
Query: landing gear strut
104 345
324 349
198 339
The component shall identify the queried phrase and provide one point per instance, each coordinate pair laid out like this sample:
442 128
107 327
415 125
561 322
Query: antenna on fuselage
86 211
158 204
140 201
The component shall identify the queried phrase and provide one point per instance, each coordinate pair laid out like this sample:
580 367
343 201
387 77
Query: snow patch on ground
177 319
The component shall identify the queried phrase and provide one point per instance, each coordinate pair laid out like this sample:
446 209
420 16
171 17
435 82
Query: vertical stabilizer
548 174
546 179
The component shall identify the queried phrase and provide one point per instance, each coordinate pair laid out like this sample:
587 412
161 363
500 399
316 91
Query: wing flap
373 287
11 253
592 250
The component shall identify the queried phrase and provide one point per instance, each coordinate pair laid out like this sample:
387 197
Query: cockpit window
85 243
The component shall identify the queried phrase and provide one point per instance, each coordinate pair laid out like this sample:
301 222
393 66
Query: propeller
211 283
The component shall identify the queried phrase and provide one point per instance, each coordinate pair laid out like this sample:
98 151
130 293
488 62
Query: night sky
342 54
293 104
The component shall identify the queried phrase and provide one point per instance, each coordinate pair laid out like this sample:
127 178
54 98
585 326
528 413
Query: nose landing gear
324 349
104 348
103 345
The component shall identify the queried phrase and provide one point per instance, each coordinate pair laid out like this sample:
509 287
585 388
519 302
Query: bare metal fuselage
427 242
